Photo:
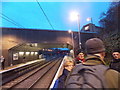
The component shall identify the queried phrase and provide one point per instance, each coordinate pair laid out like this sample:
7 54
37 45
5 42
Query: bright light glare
88 19
36 44
69 31
73 16
68 42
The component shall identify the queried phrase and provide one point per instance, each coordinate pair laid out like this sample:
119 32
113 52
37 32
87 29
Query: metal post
91 20
73 45
79 31
11 58
92 24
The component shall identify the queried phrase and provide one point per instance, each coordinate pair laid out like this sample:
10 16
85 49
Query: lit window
87 28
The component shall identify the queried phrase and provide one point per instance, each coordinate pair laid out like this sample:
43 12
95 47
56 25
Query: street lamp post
79 31
72 41
76 16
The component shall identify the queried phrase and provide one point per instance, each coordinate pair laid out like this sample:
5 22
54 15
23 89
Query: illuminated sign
15 56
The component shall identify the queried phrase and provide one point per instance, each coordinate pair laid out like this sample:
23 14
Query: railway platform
19 65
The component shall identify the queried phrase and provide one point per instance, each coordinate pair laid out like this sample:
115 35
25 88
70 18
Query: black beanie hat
94 45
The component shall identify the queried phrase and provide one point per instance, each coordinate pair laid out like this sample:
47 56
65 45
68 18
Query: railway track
11 74
39 78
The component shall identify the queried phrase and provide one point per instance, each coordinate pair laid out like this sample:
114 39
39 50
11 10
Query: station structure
19 43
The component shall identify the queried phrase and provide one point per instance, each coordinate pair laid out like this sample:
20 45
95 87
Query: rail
31 80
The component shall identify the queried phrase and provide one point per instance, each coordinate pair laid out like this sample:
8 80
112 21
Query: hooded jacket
111 76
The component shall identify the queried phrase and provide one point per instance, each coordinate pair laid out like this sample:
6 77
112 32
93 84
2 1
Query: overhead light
36 53
27 53
74 15
69 31
32 53
89 19
21 53
35 44
68 42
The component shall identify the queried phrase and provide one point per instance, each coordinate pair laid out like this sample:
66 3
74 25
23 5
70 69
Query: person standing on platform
69 57
115 64
80 58
2 61
68 66
24 61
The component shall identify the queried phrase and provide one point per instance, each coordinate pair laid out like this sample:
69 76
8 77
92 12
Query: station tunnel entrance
32 51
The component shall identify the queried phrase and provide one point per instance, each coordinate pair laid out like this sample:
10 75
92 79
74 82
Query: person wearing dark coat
2 61
115 63
62 78
60 82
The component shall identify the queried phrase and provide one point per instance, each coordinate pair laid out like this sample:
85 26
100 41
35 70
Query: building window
87 28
